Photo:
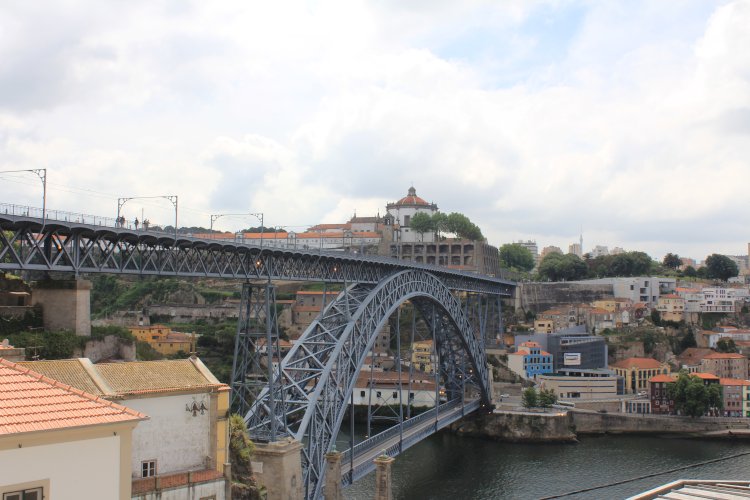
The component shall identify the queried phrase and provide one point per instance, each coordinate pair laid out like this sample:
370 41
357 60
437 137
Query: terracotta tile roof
662 378
733 381
641 363
724 355
31 402
704 376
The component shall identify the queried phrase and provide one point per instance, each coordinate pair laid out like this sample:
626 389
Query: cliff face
517 427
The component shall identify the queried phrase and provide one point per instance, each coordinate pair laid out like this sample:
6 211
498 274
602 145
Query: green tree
515 256
461 226
547 398
558 267
690 272
422 223
671 261
720 267
726 345
529 398
656 317
241 450
692 397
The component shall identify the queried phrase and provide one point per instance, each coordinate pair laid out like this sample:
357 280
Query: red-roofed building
637 372
401 212
725 365
60 442
735 397
530 360
671 307
661 403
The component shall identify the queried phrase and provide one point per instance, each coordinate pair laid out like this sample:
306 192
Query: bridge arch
317 377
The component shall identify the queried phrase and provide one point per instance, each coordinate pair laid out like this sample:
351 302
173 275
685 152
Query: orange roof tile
31 402
704 376
724 355
642 363
733 381
662 378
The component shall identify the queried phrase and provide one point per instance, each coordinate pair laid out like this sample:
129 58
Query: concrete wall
66 305
602 423
188 313
538 297
86 468
188 436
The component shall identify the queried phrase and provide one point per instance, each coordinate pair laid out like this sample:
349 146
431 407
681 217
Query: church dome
412 199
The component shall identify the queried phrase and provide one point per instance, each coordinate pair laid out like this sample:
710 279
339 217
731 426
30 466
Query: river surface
446 466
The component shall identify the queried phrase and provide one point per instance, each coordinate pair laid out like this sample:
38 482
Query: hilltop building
163 340
530 360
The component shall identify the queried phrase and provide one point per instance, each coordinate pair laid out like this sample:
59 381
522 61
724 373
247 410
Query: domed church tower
404 209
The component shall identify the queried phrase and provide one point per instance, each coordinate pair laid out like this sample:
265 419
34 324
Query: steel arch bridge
307 396
310 395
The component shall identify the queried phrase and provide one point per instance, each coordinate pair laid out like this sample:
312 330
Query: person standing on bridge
136 223
146 223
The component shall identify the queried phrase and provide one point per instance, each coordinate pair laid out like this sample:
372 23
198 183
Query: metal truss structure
318 375
31 243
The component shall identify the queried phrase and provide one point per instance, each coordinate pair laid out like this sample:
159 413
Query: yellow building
163 339
610 305
637 372
544 326
421 356
671 307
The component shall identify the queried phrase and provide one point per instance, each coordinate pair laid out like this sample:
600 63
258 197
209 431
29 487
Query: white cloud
636 130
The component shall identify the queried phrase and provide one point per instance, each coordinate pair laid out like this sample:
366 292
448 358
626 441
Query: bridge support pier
332 489
66 305
383 479
278 467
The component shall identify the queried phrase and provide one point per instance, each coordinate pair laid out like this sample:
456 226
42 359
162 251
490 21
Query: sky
629 121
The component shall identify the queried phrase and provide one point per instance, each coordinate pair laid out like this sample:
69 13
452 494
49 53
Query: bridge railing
352 474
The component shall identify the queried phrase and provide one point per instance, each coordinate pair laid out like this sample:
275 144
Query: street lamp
258 216
42 174
171 198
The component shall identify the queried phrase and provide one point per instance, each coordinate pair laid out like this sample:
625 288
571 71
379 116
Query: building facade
638 371
725 365
583 384
530 360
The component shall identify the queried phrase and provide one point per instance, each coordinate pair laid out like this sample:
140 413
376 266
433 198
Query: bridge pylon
256 346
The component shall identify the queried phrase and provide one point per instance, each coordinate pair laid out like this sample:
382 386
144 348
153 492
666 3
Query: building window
395 394
30 494
361 394
378 394
148 468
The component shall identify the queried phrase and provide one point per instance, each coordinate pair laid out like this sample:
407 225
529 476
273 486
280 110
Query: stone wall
110 347
538 297
608 423
518 426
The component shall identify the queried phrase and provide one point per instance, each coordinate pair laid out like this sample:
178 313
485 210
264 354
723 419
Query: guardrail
445 416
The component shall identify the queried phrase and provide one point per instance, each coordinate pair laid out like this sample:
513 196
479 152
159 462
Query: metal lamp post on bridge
42 174
171 198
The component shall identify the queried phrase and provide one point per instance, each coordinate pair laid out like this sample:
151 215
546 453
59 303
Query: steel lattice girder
319 373
28 245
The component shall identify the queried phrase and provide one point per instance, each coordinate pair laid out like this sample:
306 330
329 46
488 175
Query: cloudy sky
628 119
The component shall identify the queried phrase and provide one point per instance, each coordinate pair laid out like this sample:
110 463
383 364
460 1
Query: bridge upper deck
78 243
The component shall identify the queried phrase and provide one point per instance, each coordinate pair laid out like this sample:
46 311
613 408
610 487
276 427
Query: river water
446 466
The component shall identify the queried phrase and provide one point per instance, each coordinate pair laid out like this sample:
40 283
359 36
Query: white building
599 251
404 209
185 441
380 388
638 289
718 300
59 443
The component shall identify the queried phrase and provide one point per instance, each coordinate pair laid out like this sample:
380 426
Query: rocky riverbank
561 426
